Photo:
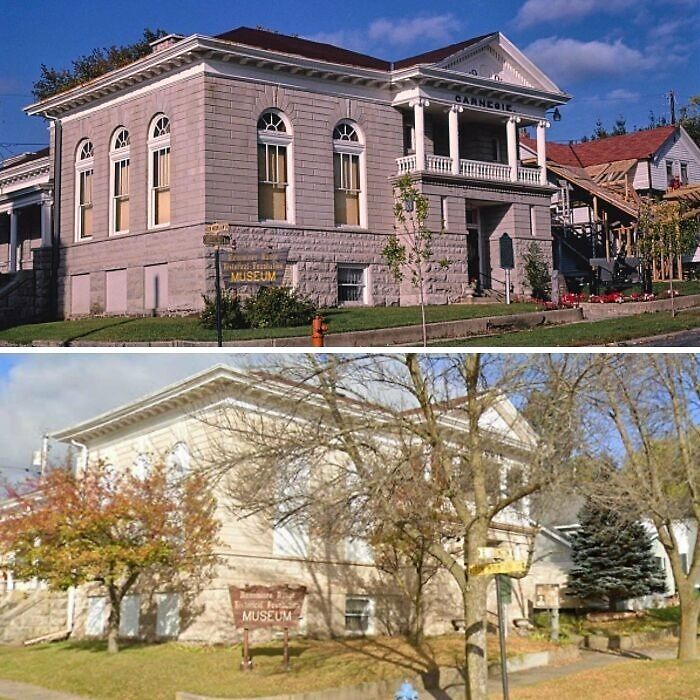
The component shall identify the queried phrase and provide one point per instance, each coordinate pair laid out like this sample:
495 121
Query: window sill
157 227
119 233
84 239
350 227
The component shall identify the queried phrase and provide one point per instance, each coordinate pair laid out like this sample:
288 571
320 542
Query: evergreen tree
620 127
613 558
600 131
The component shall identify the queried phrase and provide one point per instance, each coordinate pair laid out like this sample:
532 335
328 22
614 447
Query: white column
454 137
14 220
542 150
45 223
419 129
511 135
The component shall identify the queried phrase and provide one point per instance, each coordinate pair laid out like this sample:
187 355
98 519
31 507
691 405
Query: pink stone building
296 145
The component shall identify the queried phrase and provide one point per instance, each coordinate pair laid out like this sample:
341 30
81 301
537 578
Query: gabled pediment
496 58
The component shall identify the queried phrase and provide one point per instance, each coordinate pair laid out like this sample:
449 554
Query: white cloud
47 392
395 33
570 60
622 95
541 11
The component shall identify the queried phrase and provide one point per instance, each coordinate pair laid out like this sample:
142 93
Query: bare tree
431 446
643 418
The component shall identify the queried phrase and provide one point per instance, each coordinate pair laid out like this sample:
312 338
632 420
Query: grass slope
156 672
612 330
188 328
634 680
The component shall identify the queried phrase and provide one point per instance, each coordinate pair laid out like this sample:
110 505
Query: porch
467 142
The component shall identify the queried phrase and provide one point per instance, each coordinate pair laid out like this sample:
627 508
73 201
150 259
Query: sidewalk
12 690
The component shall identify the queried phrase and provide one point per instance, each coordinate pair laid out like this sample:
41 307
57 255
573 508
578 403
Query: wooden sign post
257 607
217 235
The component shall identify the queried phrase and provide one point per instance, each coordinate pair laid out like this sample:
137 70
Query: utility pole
672 104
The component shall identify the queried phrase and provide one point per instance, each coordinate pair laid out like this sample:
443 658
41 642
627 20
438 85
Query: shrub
231 312
537 272
278 307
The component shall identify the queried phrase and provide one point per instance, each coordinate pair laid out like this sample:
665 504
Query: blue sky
614 56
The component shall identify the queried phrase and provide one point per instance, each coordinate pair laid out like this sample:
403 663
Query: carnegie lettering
483 102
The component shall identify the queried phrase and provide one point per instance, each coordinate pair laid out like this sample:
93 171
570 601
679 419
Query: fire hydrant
318 331
406 692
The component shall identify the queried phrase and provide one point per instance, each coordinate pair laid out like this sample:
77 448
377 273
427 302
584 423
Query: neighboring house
553 561
599 185
295 144
346 592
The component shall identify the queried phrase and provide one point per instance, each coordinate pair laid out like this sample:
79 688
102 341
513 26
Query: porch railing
472 169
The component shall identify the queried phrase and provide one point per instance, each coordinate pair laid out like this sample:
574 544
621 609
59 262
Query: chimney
165 42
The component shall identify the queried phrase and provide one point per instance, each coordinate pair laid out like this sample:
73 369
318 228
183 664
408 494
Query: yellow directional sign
507 566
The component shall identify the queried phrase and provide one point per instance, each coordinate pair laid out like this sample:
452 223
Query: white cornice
35 170
198 48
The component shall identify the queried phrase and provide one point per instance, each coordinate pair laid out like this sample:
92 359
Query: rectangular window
443 213
96 616
684 562
85 204
660 563
120 210
130 615
167 615
272 182
346 177
160 191
116 292
352 283
684 173
669 172
358 614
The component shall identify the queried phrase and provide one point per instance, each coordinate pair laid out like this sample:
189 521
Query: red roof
635 146
263 39
440 54
273 41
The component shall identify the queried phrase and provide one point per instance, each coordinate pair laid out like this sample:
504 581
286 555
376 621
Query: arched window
348 175
84 170
275 202
159 172
119 183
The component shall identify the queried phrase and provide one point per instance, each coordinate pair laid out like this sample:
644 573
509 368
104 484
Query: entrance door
473 247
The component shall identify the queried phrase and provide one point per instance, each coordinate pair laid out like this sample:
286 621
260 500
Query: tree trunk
476 661
688 643
113 620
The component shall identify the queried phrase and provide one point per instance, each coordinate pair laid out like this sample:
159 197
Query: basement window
352 284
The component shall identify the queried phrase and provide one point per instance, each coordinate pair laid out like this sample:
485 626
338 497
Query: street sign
505 247
507 566
216 234
217 227
213 240
254 266
490 553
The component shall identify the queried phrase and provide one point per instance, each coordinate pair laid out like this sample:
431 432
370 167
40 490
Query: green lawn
188 328
633 680
612 330
156 672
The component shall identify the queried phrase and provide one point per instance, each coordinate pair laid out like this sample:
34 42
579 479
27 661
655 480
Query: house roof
635 146
273 41
23 158
440 54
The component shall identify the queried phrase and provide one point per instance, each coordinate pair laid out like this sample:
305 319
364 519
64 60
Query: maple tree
114 528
